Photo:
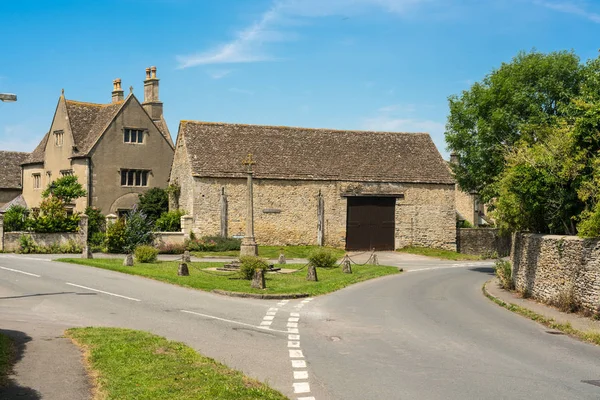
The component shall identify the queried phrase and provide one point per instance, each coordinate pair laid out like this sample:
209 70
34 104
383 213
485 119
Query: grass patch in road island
133 365
6 358
272 252
330 280
438 253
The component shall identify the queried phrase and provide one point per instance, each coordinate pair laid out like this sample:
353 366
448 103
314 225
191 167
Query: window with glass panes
134 177
133 135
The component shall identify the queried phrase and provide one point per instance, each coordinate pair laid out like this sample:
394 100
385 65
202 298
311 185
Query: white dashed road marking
21 272
102 291
298 365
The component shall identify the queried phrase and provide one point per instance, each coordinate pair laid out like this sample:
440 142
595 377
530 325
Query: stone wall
548 266
465 206
169 238
482 242
12 239
286 211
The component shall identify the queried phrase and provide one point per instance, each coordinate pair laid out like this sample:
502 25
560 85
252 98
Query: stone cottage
10 176
117 150
352 189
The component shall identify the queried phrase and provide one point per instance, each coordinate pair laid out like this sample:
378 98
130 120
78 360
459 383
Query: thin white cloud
219 73
250 45
240 91
398 108
578 8
391 124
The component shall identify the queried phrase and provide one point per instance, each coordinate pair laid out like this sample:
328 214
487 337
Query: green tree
138 230
511 104
15 219
153 203
66 188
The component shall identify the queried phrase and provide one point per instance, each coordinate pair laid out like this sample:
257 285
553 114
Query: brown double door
370 223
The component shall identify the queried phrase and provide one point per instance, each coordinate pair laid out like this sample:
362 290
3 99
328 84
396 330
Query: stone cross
249 246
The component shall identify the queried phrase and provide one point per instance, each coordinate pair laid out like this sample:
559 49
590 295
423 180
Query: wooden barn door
370 223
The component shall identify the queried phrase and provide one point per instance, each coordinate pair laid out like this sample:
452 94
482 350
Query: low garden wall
556 269
10 241
482 242
162 239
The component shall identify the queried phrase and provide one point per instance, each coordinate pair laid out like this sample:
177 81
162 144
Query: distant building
10 176
117 150
358 190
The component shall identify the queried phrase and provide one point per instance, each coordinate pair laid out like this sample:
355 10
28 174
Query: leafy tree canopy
153 203
508 105
66 188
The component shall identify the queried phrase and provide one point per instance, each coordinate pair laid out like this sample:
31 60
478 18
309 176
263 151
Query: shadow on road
35 295
11 390
484 270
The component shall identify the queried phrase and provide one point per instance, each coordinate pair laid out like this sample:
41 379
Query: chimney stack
454 158
117 93
152 104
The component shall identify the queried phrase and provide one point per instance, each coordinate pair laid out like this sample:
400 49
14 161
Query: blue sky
347 64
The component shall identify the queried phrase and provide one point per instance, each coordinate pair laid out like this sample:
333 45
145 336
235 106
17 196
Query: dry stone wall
549 266
482 242
286 211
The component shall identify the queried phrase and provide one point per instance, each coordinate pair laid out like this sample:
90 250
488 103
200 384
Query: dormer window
133 135
58 138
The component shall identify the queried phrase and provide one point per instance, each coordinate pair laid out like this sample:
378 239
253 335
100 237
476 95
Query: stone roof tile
10 169
217 150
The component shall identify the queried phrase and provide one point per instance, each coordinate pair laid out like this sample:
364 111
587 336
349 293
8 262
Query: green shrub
153 203
138 230
249 264
504 274
322 258
213 243
146 254
463 224
169 221
96 224
170 248
53 217
115 237
26 245
15 219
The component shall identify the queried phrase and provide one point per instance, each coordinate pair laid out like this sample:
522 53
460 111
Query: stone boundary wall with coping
10 241
482 242
550 266
169 238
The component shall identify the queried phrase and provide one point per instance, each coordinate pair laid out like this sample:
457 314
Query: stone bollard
186 257
375 259
281 259
128 261
87 252
183 270
312 273
258 280
346 265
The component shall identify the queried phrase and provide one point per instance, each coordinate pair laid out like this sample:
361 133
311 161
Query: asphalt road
426 334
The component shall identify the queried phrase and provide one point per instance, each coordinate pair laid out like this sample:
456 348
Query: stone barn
349 189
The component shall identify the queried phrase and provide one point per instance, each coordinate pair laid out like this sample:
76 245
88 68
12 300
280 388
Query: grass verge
329 279
6 356
592 337
128 364
438 253
272 252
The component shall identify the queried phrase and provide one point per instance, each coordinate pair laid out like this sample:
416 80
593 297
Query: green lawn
128 364
6 353
437 253
329 279
272 252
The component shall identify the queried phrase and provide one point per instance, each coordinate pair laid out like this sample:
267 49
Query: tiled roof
217 150
17 201
37 155
10 169
88 123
